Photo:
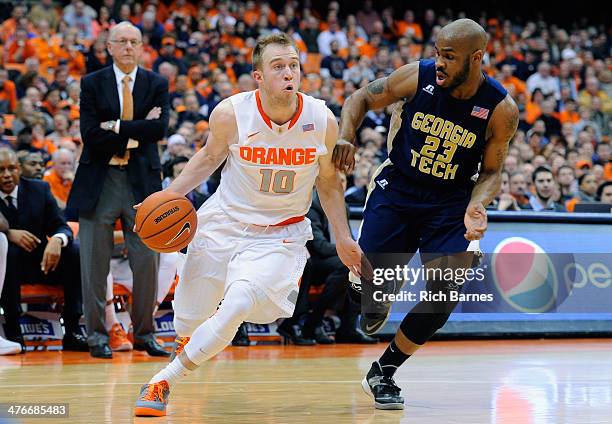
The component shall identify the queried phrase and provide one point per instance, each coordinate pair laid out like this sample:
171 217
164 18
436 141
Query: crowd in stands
561 79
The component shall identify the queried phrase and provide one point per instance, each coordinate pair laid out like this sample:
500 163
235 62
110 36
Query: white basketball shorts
225 250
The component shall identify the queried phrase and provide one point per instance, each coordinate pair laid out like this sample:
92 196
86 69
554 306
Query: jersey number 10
280 182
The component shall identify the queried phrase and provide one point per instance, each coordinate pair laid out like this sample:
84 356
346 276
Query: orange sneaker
179 345
118 340
153 400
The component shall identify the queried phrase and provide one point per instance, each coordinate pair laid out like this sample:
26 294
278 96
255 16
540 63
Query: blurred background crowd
560 77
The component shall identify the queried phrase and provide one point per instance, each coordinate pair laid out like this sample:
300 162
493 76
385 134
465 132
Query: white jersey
270 172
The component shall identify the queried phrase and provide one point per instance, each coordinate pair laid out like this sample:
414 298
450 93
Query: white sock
172 373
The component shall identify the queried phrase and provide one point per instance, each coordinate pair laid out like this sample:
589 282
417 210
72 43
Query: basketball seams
153 209
178 221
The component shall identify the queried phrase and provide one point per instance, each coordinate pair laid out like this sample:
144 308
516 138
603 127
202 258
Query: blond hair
279 38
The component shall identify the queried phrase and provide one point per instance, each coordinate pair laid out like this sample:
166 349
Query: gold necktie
127 114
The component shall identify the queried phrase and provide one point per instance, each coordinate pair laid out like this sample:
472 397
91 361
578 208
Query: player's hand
350 254
51 255
24 239
343 156
475 221
154 113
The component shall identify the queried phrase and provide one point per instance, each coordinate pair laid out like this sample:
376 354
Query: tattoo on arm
500 156
512 124
376 87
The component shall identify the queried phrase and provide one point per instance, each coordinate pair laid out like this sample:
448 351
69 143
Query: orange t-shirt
45 144
533 112
403 26
9 93
27 51
59 188
566 116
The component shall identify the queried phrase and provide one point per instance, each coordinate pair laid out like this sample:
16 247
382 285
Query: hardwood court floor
497 382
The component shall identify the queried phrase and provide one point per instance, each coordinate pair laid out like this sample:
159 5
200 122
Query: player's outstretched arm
400 84
223 132
502 127
331 194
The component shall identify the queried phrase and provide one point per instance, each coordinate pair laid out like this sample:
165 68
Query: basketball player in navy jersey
453 122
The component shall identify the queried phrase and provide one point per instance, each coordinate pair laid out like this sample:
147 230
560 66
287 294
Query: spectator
31 256
591 90
79 19
20 48
504 201
326 37
360 72
367 16
511 161
97 57
356 195
566 178
333 66
168 54
587 189
544 184
8 93
45 10
177 146
61 175
152 29
552 124
32 165
518 189
604 192
544 81
192 109
7 347
4 141
102 23
310 34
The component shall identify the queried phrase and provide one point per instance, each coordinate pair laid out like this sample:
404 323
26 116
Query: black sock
392 359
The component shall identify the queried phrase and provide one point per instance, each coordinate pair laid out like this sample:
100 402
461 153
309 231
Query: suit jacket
100 103
37 211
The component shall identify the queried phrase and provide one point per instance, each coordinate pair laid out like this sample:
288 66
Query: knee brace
419 328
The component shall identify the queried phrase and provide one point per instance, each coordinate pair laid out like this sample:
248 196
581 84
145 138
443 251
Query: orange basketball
166 221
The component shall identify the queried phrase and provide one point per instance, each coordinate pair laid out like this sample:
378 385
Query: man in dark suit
33 215
124 112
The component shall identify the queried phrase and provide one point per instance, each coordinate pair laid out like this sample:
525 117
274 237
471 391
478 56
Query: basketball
166 221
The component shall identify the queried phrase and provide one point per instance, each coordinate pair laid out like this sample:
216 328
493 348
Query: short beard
462 76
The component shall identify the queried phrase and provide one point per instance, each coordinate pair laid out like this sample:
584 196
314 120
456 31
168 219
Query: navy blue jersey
436 140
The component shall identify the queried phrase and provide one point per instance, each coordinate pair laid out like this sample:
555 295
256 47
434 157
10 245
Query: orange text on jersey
278 155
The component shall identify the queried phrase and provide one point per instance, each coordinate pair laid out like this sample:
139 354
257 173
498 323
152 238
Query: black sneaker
374 314
382 389
242 336
293 334
320 336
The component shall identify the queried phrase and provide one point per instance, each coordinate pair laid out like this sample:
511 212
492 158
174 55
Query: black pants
24 267
334 275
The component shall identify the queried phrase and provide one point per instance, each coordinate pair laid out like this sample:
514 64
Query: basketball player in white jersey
250 247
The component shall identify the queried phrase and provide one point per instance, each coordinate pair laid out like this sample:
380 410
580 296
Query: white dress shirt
13 194
119 75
